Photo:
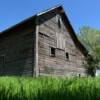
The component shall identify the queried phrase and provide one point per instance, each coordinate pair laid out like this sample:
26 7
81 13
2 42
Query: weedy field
49 88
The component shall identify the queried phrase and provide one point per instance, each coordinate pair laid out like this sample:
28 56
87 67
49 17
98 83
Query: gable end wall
50 35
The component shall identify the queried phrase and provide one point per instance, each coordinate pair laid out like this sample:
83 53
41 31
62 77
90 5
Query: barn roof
57 9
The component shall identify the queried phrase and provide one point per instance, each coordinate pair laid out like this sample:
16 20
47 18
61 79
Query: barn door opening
2 64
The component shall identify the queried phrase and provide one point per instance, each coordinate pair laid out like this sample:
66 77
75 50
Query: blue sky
79 12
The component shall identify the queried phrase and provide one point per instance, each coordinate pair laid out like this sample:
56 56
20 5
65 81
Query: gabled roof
59 10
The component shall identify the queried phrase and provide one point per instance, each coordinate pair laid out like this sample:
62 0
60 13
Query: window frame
52 51
67 56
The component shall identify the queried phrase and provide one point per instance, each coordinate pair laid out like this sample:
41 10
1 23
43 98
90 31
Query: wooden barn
44 44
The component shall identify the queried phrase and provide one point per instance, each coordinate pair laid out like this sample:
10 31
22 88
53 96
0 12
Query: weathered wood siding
24 54
51 35
16 52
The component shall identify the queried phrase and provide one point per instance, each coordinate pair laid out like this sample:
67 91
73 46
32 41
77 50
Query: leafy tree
91 40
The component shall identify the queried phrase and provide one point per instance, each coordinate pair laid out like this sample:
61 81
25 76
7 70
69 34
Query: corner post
36 70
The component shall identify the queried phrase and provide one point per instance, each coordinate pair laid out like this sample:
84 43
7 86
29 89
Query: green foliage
91 39
49 88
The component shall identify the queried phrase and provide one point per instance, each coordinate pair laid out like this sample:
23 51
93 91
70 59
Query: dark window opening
59 23
53 54
2 60
67 56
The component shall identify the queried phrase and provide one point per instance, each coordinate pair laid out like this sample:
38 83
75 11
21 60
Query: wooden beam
36 49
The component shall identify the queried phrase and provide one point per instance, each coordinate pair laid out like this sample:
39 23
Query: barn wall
16 53
50 35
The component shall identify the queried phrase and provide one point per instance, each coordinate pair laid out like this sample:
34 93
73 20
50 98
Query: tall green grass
49 88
